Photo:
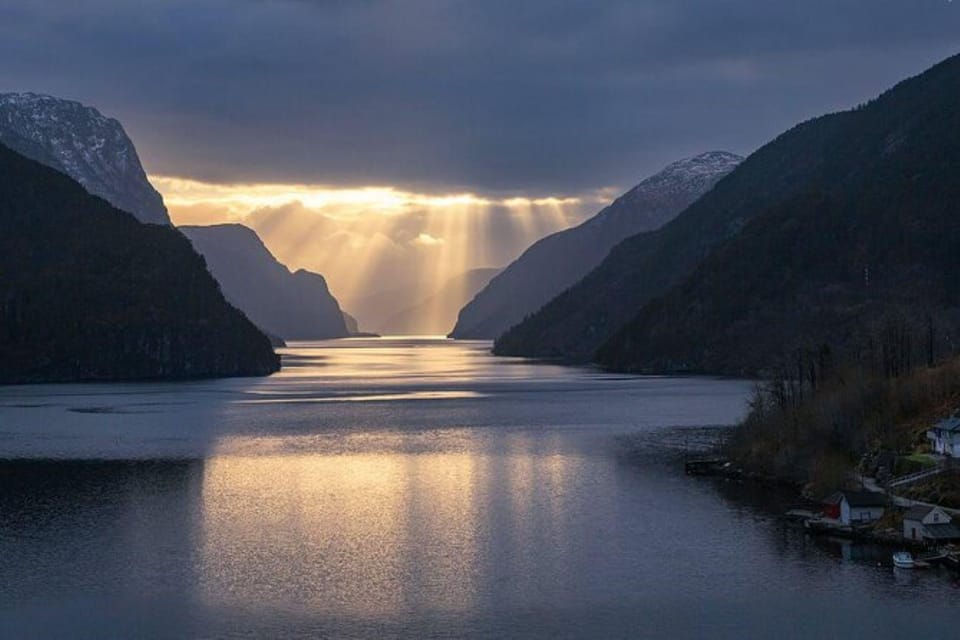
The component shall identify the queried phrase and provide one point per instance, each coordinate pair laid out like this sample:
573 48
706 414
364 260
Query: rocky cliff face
84 144
294 306
560 260
89 293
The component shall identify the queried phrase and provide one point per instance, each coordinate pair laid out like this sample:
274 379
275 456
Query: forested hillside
89 293
863 248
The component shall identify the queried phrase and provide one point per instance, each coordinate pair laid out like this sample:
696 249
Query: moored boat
903 560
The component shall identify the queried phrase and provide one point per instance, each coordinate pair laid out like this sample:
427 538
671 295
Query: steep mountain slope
558 261
864 246
89 293
84 144
436 314
573 325
294 306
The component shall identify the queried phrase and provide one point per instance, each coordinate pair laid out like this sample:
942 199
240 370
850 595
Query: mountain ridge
559 260
573 325
81 142
89 293
294 305
861 249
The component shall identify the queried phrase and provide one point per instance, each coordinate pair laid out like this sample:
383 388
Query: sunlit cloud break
185 192
367 240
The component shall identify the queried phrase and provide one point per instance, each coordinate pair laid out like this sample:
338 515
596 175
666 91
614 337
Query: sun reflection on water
370 534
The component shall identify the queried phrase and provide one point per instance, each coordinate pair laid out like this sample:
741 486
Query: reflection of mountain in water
88 534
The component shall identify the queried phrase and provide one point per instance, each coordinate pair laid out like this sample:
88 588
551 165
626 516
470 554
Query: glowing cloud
373 241
428 240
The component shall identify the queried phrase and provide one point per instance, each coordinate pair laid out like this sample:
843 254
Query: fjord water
418 488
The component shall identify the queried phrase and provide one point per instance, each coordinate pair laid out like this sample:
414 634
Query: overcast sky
537 97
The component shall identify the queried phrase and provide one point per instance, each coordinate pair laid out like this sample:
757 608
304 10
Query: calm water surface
412 488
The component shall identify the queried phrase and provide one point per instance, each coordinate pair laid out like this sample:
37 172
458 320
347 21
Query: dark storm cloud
537 97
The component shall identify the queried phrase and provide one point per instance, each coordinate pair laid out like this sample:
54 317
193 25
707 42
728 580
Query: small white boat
903 560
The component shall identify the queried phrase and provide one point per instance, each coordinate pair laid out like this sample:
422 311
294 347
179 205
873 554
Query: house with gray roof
944 436
856 507
927 523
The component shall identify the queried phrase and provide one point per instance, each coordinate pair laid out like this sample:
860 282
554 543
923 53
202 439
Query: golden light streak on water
381 516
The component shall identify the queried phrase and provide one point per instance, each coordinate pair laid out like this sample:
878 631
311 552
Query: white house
859 507
945 436
929 524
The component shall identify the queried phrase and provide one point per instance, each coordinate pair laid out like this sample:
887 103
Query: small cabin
930 524
856 507
944 436
831 506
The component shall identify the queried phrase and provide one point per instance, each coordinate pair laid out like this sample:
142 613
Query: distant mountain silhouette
351 323
89 293
558 261
437 313
84 144
293 306
372 308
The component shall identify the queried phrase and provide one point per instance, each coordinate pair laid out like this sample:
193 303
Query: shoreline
813 523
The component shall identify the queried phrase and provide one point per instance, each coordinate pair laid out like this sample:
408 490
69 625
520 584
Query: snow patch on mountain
690 175
81 142
559 261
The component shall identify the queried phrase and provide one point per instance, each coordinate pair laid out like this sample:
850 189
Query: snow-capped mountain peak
661 196
80 141
689 174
